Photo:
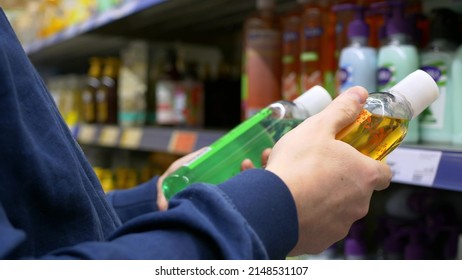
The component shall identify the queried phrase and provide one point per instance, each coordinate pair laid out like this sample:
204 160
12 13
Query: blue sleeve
203 222
251 216
134 202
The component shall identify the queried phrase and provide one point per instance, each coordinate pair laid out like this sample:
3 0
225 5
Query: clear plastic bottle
223 158
384 121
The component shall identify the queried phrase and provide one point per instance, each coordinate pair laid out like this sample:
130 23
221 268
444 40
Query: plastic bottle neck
399 39
403 100
441 45
358 42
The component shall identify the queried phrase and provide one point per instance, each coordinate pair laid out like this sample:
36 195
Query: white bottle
358 61
436 123
397 59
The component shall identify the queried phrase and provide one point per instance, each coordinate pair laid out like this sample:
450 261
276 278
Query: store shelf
428 166
210 22
421 165
161 139
130 8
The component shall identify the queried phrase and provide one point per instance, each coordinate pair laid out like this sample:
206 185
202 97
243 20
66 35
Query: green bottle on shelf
222 159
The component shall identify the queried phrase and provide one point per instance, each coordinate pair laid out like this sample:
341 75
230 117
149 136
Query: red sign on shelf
182 141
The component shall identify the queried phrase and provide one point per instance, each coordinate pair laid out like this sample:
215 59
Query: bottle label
164 102
437 71
313 32
433 116
386 77
345 76
290 36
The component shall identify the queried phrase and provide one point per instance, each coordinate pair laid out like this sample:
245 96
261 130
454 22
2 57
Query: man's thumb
345 108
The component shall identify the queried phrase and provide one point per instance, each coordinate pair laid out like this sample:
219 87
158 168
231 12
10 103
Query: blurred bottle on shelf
317 47
133 84
89 108
290 25
106 95
399 56
358 61
436 125
261 78
194 109
166 85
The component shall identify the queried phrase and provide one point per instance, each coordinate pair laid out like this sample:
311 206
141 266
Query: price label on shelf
131 137
87 134
109 136
412 166
182 141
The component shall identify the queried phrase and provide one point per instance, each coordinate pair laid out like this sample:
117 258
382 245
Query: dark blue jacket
52 205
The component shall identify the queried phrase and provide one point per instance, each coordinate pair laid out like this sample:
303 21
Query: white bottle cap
420 90
314 100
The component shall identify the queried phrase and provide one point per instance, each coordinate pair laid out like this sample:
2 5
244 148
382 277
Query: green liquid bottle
222 159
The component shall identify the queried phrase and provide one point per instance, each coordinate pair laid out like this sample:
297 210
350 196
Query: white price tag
414 166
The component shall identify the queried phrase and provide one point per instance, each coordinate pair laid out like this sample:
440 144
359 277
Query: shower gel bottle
384 121
398 57
222 159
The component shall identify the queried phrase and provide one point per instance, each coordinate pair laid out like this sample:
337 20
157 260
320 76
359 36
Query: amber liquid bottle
89 94
106 96
383 123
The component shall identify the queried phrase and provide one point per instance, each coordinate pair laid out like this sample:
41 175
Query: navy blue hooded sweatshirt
53 207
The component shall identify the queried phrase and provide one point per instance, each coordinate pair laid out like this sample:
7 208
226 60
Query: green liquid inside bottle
222 159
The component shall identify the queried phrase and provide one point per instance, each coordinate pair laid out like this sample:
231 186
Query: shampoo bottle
313 28
222 159
398 57
358 61
261 73
436 124
291 51
383 123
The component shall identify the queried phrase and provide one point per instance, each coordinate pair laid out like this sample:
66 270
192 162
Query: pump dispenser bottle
436 124
358 61
222 159
383 123
398 57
